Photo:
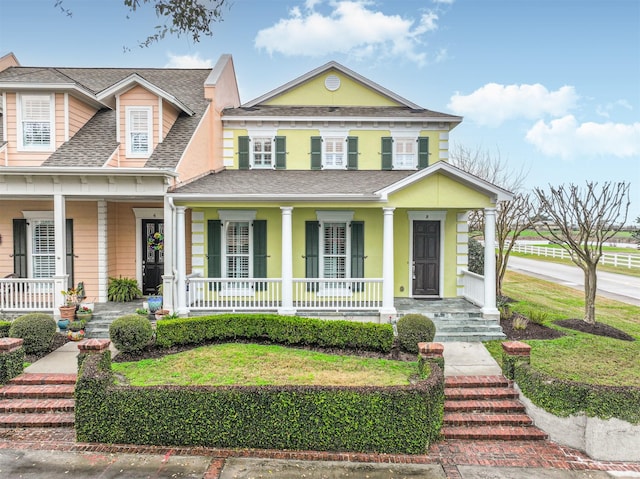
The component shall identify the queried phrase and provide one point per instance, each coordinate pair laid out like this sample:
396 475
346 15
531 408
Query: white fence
473 287
623 260
22 294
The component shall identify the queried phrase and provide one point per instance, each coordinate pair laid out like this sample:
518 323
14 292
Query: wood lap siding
79 114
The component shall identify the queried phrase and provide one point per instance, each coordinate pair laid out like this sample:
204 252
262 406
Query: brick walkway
449 454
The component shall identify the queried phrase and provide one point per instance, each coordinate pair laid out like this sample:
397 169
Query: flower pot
62 324
75 335
84 316
161 313
67 312
155 303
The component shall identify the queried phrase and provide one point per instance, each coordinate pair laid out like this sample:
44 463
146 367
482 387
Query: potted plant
84 312
155 301
123 289
68 309
161 313
76 330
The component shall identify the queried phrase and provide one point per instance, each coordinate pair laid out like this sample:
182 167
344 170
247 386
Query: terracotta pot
67 312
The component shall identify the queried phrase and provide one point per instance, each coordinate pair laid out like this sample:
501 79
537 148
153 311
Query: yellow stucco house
327 194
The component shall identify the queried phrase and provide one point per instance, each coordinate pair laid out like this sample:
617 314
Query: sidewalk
54 453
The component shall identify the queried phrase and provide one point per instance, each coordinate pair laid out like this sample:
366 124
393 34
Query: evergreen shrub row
402 419
11 365
4 329
287 330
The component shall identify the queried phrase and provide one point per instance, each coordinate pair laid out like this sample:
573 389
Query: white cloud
568 139
603 110
188 61
493 104
350 27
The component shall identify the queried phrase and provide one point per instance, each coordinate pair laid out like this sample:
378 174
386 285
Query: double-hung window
404 153
237 249
262 152
334 154
36 122
139 131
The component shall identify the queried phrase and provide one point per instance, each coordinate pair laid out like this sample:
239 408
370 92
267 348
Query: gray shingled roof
335 111
92 146
293 182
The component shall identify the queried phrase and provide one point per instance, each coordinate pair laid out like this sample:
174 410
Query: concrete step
494 433
480 393
14 420
467 337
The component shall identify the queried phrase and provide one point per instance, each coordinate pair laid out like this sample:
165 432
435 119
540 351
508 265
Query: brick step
36 405
60 419
474 405
44 378
37 391
494 433
480 393
476 382
486 419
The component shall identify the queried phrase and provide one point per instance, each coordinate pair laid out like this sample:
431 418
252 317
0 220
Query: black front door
426 258
152 255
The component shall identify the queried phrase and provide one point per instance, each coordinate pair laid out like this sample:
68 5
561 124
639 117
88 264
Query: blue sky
551 86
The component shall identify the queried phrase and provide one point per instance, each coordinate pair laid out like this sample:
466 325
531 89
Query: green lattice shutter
352 153
316 152
423 152
260 251
357 252
387 153
312 251
243 152
20 247
281 152
214 251
69 252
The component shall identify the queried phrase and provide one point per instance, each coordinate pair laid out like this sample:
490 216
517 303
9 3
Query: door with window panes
153 255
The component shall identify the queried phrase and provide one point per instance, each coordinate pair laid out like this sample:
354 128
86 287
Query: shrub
36 329
537 316
476 257
123 289
414 329
520 323
131 333
4 328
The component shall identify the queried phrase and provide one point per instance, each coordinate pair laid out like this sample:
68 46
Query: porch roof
296 184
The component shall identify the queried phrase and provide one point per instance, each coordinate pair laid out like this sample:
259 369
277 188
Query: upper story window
334 152
262 152
36 122
405 153
139 131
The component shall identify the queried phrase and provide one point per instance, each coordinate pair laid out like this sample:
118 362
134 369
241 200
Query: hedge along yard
577 356
260 365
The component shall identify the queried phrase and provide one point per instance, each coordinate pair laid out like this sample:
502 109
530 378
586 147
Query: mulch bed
599 329
532 331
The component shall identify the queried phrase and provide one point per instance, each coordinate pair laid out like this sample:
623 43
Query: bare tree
180 17
581 220
512 217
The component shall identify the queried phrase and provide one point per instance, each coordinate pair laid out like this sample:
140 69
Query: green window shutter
20 247
316 153
260 251
357 252
387 153
312 251
423 152
352 153
243 152
214 250
69 255
281 152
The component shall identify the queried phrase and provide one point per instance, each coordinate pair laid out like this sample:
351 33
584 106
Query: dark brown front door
426 258
152 255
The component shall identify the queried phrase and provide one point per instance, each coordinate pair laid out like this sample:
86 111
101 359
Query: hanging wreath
156 241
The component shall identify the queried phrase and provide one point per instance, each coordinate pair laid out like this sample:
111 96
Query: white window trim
334 217
396 165
326 133
52 117
32 217
128 110
409 133
252 161
227 216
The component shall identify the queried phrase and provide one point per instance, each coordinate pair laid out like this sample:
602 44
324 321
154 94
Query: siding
79 114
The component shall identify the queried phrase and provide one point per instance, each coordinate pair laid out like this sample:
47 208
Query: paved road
612 285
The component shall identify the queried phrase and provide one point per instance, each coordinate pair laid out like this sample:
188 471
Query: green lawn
259 365
577 356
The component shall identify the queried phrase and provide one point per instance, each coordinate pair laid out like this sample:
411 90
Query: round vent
332 83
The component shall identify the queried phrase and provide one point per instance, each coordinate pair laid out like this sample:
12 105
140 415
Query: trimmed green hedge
36 329
403 419
287 330
4 329
11 365
564 398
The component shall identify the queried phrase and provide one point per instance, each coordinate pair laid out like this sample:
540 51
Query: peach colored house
86 157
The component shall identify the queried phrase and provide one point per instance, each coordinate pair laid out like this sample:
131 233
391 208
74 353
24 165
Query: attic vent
332 83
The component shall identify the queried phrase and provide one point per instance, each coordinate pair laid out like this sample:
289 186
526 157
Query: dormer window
36 122
139 132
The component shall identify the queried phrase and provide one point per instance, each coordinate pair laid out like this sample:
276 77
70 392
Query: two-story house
328 194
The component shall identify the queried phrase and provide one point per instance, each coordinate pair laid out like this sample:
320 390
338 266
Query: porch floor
431 307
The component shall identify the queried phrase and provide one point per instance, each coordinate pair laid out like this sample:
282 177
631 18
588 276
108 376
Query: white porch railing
228 294
22 294
337 295
473 287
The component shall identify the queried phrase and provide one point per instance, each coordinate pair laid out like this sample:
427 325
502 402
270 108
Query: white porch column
489 309
387 264
181 261
287 262
60 235
169 301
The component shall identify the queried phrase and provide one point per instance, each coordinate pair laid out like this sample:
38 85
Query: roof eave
277 198
400 119
64 87
84 171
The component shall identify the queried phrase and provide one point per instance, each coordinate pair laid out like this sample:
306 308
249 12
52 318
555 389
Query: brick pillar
11 358
90 347
513 353
430 352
